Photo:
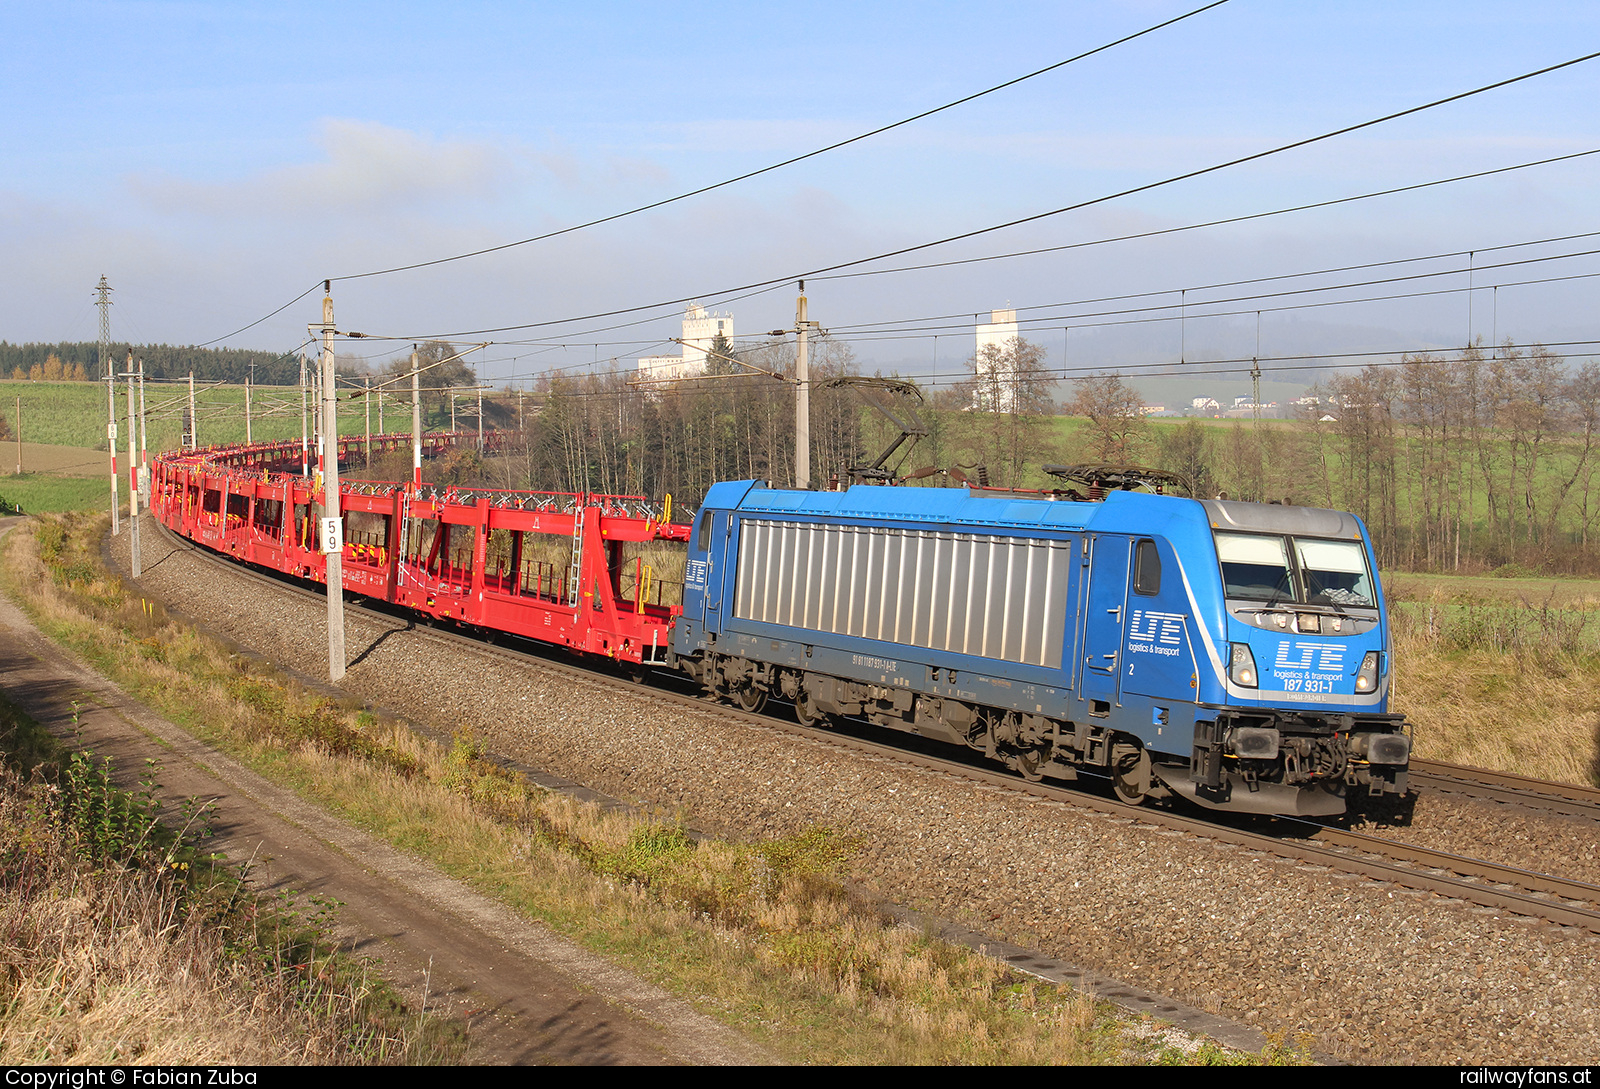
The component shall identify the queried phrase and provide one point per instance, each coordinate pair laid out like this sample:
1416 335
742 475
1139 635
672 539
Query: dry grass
125 955
1495 679
762 935
119 943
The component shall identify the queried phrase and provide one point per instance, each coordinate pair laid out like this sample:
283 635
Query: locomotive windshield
1335 572
1302 570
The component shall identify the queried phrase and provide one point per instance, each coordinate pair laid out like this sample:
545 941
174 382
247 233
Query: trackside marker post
416 424
144 447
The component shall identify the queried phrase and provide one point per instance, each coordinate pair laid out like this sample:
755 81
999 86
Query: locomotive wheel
1029 765
1130 775
807 712
750 697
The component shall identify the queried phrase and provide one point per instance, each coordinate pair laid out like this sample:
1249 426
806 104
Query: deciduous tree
1116 423
1008 395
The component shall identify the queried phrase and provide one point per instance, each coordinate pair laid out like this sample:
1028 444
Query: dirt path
527 995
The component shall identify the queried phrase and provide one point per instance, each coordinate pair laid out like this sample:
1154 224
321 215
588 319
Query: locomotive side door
719 573
1105 618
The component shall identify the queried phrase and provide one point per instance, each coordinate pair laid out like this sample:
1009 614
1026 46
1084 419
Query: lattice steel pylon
102 294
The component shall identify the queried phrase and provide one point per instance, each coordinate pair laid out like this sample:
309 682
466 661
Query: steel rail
1567 799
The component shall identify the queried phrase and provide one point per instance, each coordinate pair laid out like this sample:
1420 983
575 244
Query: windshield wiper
1279 590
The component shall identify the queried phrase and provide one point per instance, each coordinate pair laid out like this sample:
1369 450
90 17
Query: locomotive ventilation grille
988 596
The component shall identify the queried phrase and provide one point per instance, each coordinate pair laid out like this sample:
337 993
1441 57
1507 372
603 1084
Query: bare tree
435 403
1366 439
1117 424
1006 397
1186 451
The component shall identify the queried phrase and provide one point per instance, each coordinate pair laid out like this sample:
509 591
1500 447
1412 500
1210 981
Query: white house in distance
998 332
700 328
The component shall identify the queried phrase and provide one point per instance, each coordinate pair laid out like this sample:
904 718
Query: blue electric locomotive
1234 654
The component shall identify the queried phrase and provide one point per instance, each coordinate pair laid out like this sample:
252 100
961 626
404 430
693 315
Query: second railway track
1505 788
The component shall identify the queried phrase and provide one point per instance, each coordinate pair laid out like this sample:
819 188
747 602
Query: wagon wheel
1130 774
750 697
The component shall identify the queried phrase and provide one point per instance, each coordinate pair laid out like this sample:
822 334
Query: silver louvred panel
993 597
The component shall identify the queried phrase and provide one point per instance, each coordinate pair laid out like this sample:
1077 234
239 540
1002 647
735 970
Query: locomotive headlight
1367 675
1242 669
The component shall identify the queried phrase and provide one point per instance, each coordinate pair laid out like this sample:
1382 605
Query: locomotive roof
1273 518
1120 511
958 506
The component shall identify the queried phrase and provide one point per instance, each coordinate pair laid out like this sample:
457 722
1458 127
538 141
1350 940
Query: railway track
1565 799
1486 884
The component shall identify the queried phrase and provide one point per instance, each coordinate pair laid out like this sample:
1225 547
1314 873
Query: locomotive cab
1302 717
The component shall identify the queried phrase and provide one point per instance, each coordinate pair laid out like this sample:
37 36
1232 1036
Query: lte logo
1330 657
1150 627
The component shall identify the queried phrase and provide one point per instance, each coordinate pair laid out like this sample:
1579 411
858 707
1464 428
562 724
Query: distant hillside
161 361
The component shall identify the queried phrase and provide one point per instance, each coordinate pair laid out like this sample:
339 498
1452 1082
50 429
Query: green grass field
74 413
1537 590
38 493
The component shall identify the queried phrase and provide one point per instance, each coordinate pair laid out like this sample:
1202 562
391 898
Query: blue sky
214 160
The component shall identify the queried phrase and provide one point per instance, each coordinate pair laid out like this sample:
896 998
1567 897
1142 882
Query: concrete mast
330 493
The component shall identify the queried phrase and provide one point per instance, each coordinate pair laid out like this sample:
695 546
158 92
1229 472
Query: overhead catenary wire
724 298
1411 357
883 331
737 178
1034 218
264 317
793 159
1081 320
867 331
1045 323
1214 222
863 326
1164 368
546 345
1196 369
777 282
720 300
